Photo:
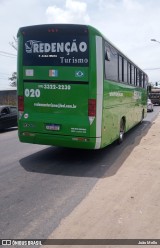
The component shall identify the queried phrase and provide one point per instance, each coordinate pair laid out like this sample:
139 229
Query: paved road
40 185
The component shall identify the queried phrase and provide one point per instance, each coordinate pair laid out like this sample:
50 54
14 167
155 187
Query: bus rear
56 86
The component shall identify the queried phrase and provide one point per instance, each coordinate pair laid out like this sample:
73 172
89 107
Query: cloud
132 5
73 12
129 24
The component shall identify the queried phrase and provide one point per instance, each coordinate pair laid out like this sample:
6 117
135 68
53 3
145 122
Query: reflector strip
20 103
92 107
99 65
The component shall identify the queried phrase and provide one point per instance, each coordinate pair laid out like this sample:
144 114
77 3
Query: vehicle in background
154 95
149 106
8 116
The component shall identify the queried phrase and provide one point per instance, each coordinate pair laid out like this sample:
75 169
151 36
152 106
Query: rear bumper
58 140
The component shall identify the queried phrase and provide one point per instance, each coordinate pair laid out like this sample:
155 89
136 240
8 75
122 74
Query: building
8 97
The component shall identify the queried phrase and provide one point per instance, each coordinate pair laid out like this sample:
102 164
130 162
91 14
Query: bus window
129 73
144 83
132 74
138 77
120 69
135 76
67 48
111 70
125 70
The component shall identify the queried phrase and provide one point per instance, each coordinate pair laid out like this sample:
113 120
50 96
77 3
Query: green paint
56 96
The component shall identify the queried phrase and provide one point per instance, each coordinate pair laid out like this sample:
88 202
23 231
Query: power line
4 78
149 69
5 73
9 53
7 56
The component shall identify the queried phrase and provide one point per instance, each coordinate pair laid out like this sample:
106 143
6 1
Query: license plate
53 127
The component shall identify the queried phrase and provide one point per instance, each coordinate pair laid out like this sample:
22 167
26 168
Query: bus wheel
121 132
142 116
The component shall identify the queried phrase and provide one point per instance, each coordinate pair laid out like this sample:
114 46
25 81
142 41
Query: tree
13 79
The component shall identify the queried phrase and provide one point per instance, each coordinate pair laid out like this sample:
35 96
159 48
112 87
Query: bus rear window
55 46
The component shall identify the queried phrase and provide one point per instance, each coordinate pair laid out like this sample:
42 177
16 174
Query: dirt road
125 205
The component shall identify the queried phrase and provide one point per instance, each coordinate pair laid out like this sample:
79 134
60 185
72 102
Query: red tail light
92 107
20 103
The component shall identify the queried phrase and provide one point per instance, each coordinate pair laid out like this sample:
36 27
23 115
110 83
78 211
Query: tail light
20 103
92 107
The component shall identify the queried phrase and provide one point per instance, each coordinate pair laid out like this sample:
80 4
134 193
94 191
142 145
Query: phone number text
55 87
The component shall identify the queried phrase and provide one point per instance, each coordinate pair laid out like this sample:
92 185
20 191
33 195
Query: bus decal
53 73
44 48
32 92
29 45
137 95
58 105
33 46
117 94
91 119
73 60
78 130
55 87
79 74
29 72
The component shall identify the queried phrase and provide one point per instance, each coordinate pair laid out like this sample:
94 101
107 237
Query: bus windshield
59 46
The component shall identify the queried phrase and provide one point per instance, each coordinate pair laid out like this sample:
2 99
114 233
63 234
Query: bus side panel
121 100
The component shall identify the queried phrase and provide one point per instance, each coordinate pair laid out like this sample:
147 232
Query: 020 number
32 92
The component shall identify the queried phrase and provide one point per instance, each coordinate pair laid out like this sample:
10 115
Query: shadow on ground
8 129
85 163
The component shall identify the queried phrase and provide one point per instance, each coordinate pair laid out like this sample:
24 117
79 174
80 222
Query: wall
8 97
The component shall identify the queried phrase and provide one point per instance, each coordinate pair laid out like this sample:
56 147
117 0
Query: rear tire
121 132
142 117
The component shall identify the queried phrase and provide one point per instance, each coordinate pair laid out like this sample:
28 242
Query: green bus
75 88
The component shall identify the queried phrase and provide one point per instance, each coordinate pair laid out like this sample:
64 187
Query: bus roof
74 26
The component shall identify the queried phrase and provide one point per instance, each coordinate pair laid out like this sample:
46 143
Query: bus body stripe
99 93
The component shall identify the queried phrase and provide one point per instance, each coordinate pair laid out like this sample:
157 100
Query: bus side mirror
107 55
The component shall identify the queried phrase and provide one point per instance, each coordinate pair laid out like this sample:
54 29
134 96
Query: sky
128 24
